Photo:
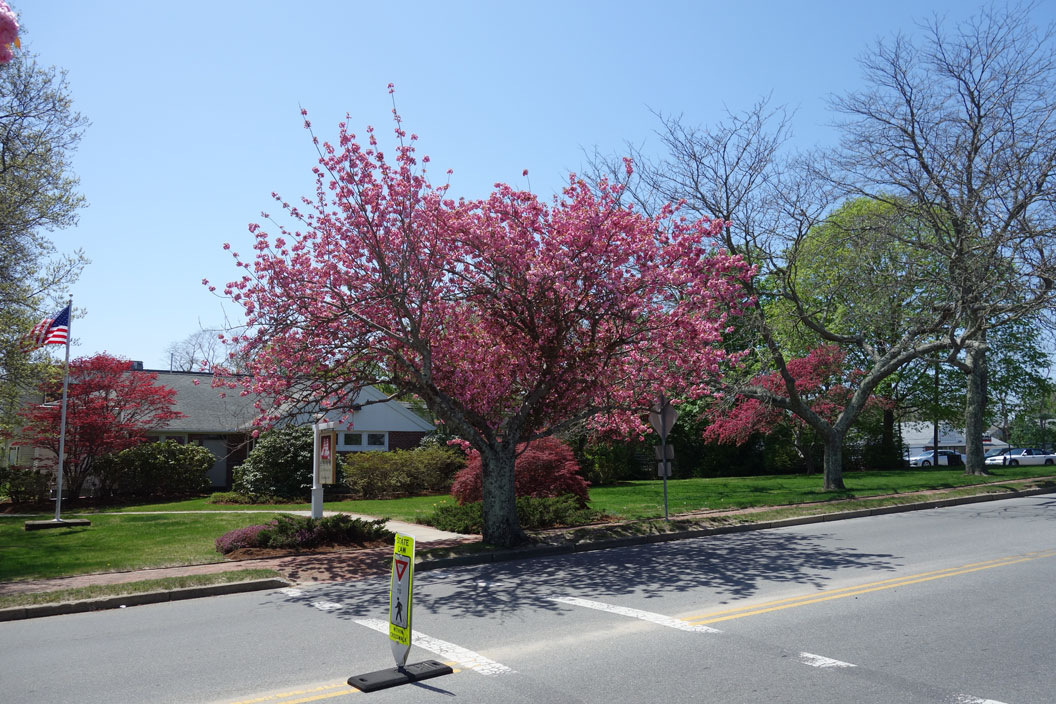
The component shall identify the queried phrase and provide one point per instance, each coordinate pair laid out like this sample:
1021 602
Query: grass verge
115 543
148 585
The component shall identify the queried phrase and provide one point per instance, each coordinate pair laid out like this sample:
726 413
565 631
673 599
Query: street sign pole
662 419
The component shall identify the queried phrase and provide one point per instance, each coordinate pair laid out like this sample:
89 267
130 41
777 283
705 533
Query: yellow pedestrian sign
400 598
400 628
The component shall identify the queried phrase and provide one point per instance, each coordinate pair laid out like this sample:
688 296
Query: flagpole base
395 676
58 523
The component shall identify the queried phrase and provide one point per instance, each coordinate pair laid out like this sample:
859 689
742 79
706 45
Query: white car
946 457
1014 456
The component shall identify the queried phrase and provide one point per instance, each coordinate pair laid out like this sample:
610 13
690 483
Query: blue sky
195 120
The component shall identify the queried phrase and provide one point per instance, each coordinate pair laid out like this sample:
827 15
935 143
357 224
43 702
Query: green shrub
227 498
371 475
24 485
458 518
156 469
533 513
280 465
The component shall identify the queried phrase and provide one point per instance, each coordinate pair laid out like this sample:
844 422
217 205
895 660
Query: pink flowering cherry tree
510 318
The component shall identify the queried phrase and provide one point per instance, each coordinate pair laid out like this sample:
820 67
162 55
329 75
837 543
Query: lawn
114 543
645 499
124 540
406 509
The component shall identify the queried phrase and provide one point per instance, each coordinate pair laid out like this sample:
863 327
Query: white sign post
663 418
324 459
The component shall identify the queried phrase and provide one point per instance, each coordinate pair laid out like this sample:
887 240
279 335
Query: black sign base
395 676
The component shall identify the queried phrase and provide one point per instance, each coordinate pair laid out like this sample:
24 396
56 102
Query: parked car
1014 456
946 457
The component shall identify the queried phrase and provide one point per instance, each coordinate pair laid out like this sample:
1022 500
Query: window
353 439
376 439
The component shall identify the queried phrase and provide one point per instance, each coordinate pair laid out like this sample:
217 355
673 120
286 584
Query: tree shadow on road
734 567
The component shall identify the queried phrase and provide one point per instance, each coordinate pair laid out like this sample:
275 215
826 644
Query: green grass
406 509
127 541
645 499
114 543
146 585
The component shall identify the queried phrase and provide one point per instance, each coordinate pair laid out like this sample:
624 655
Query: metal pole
663 446
317 488
62 421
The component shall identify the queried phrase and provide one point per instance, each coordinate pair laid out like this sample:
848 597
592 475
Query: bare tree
957 129
205 351
776 206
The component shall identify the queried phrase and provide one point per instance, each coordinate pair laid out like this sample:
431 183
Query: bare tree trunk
501 525
975 410
834 462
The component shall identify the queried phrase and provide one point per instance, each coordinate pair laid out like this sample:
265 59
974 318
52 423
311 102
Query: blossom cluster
506 315
8 32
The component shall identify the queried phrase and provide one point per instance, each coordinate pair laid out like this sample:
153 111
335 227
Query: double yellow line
830 594
310 694
300 696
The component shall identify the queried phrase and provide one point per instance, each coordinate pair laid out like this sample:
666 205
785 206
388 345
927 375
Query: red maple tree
110 407
820 381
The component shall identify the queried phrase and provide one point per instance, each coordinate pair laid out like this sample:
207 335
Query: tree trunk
501 525
834 462
975 410
889 449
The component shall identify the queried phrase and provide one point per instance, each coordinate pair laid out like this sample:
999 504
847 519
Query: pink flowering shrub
239 538
546 468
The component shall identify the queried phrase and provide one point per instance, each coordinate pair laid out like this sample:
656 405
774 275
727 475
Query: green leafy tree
39 131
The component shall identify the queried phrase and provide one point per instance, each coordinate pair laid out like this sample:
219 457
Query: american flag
50 331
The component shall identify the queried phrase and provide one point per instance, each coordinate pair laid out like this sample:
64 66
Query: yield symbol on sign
401 567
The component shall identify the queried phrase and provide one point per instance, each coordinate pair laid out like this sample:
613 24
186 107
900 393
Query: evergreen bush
164 469
371 475
280 465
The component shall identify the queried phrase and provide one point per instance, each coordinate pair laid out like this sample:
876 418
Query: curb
119 602
483 558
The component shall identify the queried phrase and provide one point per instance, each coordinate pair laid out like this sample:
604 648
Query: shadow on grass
735 567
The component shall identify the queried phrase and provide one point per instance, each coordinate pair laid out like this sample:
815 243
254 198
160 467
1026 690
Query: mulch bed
258 553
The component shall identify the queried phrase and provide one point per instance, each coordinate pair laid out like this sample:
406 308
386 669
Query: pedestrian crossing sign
400 598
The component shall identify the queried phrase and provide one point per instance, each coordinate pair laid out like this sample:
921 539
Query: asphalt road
951 605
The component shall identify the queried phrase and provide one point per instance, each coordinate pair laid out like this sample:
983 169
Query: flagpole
62 420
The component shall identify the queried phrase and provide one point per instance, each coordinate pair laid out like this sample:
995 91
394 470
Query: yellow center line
802 600
342 689
342 686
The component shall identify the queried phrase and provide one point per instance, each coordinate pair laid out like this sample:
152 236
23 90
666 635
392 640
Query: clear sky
194 110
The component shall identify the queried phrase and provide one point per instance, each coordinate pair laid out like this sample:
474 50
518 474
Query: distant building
222 422
918 437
